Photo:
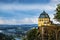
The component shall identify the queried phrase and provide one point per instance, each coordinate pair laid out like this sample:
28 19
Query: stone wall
49 32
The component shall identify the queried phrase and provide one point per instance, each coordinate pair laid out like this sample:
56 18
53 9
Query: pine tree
57 15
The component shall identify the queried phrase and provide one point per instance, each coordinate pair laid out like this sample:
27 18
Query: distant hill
2 27
16 29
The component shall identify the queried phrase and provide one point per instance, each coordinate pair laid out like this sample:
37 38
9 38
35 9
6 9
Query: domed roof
44 15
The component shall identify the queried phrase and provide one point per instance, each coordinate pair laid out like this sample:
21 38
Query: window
45 22
42 16
40 20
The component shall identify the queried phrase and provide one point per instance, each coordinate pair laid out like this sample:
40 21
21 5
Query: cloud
29 21
54 2
25 7
23 21
17 22
24 13
2 21
7 21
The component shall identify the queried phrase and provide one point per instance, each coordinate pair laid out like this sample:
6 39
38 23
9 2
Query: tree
6 37
57 15
32 35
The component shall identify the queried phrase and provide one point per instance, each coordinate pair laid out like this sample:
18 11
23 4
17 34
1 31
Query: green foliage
35 35
57 15
31 35
24 38
51 35
6 37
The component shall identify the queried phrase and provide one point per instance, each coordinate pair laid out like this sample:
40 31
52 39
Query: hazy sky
25 11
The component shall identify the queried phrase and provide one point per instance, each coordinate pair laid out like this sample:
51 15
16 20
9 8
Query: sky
18 12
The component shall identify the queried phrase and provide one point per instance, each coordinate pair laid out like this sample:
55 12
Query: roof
44 15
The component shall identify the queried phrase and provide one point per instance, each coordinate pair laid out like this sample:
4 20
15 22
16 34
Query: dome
44 15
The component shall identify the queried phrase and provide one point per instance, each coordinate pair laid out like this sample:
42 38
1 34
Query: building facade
48 30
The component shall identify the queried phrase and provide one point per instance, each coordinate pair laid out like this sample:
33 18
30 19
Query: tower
44 19
47 29
43 23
